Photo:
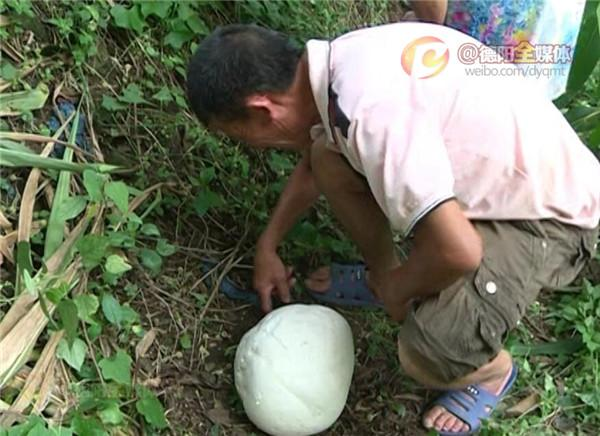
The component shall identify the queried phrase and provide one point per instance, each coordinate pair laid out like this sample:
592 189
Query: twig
212 296
165 293
93 354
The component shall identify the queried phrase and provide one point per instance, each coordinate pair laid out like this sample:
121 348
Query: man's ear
260 106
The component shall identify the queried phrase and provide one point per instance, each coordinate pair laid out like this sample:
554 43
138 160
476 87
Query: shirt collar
318 52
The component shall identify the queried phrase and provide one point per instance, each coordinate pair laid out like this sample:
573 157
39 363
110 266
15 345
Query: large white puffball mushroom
293 370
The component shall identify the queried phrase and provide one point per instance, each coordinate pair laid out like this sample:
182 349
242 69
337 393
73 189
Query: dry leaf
7 246
219 415
526 405
36 378
5 224
153 383
145 343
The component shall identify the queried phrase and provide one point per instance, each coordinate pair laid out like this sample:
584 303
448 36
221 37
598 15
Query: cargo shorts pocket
508 278
496 316
507 283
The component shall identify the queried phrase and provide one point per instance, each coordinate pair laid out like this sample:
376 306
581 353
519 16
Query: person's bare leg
431 11
491 376
355 207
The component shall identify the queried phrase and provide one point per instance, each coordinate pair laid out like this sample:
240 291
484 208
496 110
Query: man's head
248 82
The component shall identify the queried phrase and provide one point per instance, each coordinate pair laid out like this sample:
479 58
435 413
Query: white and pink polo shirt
400 103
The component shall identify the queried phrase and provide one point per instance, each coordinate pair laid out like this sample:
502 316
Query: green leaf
279 163
594 140
112 310
117 368
112 104
111 414
587 48
74 355
57 293
22 429
150 230
150 408
134 222
176 39
583 118
39 429
598 16
92 249
128 18
87 426
24 262
15 103
120 239
56 224
20 159
15 146
206 200
184 11
116 264
164 248
60 431
87 305
185 341
207 175
94 331
128 315
71 207
132 94
151 260
556 348
121 16
164 95
119 194
67 311
29 283
8 72
197 26
93 183
157 8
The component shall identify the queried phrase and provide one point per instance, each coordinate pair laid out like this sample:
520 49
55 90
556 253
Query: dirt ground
196 384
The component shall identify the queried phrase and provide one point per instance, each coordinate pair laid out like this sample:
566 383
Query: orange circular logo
425 57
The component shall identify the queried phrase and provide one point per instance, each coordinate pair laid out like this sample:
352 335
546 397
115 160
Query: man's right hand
271 277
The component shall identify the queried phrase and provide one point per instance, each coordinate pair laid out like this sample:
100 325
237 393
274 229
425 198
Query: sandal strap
474 403
469 407
351 281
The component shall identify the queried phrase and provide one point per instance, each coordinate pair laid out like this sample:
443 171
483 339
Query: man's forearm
299 195
446 248
419 278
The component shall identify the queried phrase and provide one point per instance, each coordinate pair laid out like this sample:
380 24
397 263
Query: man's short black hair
236 61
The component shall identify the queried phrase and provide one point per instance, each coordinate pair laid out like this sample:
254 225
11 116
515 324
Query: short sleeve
405 161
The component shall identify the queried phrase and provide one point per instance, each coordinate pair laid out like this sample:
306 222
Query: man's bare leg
491 376
355 207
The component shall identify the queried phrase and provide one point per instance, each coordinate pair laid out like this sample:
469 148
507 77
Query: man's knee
408 359
425 359
332 171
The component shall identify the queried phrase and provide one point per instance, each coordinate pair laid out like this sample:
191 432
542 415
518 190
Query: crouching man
501 196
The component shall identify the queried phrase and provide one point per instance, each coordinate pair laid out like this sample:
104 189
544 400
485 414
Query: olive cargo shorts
464 326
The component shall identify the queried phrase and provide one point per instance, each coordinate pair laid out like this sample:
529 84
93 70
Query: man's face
269 124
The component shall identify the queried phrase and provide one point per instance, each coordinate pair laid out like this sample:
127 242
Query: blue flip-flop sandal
229 288
472 404
348 287
66 108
